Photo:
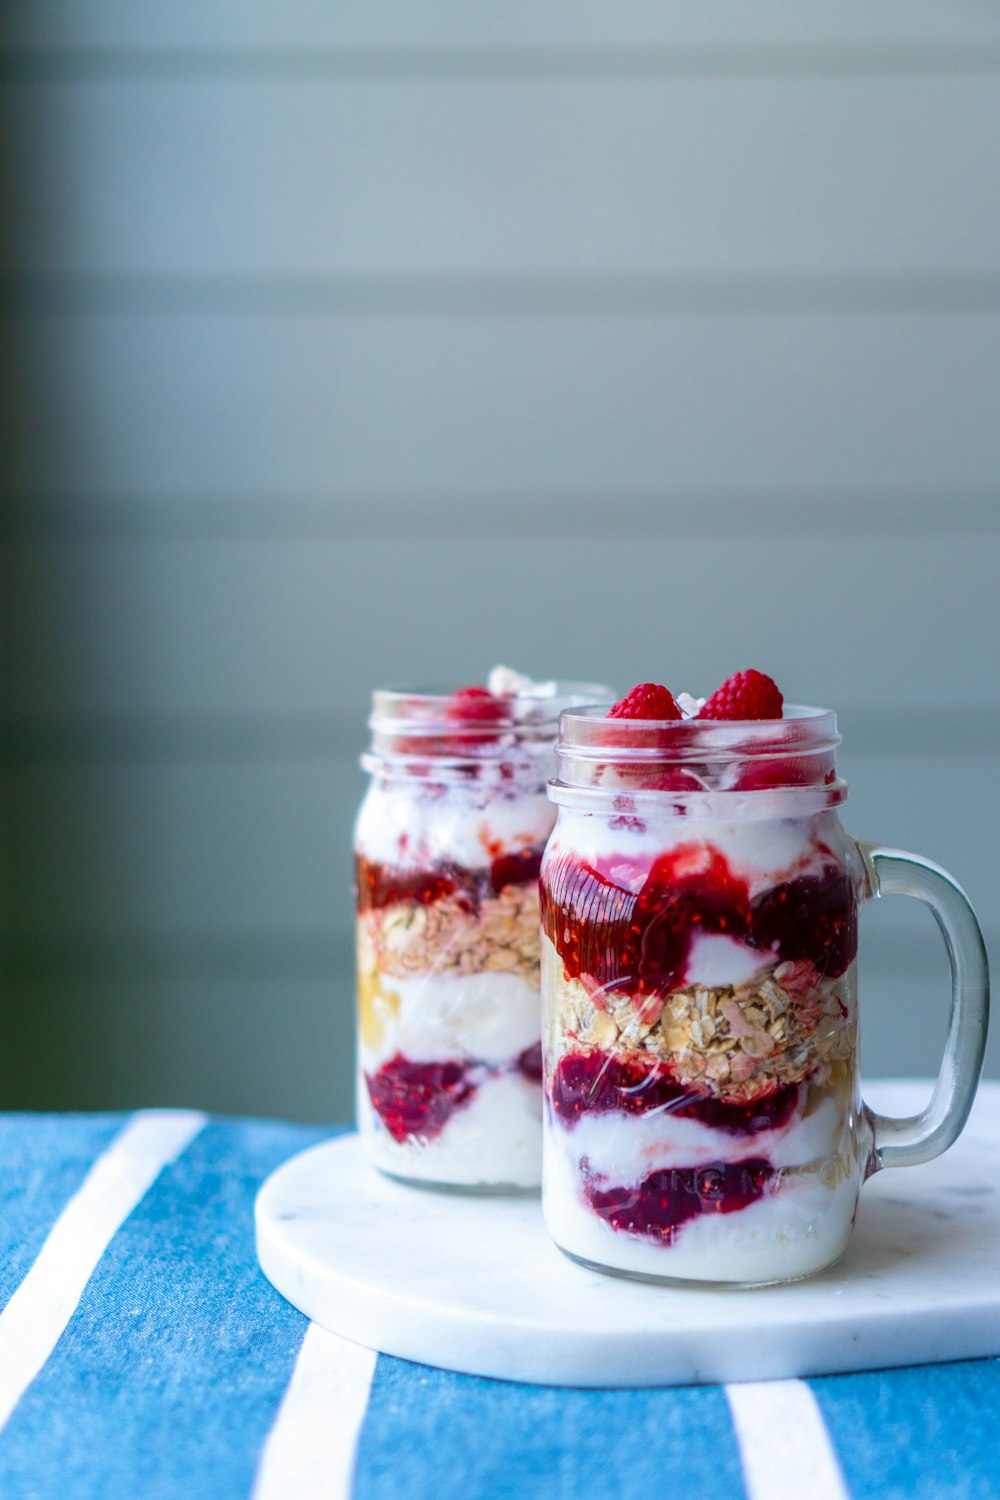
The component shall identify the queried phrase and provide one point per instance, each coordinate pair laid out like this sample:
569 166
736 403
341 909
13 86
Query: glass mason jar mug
448 843
699 902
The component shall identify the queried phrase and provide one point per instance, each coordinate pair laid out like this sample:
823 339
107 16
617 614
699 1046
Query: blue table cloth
143 1354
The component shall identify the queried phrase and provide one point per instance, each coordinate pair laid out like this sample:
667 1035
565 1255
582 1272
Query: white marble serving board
473 1284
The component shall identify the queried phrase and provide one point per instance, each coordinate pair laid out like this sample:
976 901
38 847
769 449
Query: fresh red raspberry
675 779
471 706
474 703
797 770
745 695
647 700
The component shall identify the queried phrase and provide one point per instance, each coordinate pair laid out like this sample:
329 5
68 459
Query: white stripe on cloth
785 1447
40 1308
309 1453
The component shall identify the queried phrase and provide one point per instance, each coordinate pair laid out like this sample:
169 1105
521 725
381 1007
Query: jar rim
411 726
683 762
588 734
425 710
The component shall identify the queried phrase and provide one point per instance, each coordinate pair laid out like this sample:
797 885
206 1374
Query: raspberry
476 703
791 771
675 779
473 705
647 700
745 695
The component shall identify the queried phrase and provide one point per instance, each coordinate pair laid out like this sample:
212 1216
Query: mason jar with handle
700 898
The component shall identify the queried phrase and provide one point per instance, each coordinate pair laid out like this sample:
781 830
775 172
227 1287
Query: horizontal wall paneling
410 188
345 345
154 403
224 632
394 25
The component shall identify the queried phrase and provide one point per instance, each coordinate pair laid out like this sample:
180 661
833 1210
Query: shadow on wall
26 631
102 1005
43 1053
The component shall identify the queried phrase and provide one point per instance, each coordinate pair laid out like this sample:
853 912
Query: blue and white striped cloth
144 1357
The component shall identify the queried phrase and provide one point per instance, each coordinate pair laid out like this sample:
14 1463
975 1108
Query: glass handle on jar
918 1138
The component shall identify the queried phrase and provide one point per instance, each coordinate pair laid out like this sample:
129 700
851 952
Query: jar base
690 1282
461 1189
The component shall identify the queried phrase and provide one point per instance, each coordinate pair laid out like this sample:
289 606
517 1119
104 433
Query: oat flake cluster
741 1042
446 937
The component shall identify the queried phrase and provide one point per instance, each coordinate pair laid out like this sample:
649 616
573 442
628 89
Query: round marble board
474 1284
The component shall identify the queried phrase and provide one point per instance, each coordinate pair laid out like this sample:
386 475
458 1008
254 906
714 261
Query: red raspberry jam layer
689 891
381 885
419 1098
603 929
529 1063
598 1083
667 1200
812 917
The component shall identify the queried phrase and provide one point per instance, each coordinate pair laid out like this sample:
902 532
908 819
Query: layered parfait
699 902
448 846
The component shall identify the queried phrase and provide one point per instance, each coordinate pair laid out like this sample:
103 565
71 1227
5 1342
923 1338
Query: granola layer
737 1043
445 937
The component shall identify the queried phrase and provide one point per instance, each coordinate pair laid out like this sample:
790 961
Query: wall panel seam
690 294
542 62
38 516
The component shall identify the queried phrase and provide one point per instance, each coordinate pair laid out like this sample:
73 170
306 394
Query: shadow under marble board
474 1284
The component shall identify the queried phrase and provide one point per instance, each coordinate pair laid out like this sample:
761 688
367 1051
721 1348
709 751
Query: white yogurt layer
487 1017
412 826
715 959
625 1149
799 1226
800 1229
493 1141
761 851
